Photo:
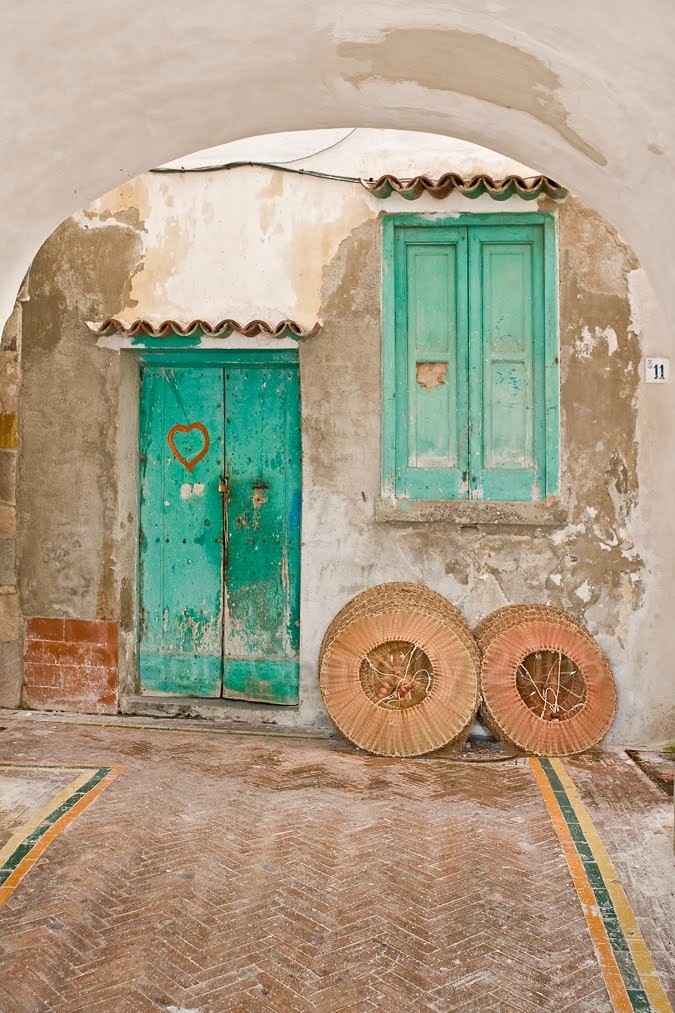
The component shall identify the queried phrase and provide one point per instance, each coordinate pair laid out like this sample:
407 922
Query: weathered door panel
181 539
431 358
262 566
507 363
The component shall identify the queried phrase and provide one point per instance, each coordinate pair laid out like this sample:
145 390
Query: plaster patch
126 205
646 316
469 64
565 534
188 491
605 542
638 285
163 257
315 243
431 374
584 592
585 344
609 334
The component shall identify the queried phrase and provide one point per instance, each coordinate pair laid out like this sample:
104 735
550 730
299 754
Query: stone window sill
472 513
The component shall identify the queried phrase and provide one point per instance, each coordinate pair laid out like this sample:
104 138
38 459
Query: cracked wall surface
68 462
591 565
261 244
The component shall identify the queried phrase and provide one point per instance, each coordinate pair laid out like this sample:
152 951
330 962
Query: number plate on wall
657 370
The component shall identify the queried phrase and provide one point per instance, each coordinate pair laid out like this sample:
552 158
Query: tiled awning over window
529 188
221 329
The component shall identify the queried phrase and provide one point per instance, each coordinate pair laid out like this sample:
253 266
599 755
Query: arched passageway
90 102
260 243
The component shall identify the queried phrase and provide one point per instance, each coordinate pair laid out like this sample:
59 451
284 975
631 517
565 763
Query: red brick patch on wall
71 665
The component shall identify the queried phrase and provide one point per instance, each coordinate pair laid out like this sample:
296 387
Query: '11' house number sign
657 370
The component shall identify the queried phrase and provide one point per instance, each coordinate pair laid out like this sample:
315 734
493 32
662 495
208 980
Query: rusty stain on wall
160 261
259 496
311 248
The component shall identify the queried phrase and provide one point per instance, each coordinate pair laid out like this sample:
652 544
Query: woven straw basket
546 686
398 671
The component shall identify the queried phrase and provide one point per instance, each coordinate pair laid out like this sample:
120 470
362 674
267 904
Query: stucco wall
586 95
258 243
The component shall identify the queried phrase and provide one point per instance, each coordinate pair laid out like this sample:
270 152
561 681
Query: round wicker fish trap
546 686
398 671
504 617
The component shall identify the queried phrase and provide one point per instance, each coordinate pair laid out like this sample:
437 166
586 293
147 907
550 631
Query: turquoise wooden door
262 447
220 526
181 533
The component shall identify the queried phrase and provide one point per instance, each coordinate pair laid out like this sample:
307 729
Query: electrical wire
280 166
329 147
271 165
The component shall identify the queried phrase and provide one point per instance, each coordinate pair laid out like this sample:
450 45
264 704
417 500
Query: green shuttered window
470 357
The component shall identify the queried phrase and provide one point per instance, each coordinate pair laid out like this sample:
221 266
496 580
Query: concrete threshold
239 714
191 714
235 712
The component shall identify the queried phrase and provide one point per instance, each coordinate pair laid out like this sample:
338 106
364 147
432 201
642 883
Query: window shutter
470 375
507 419
431 360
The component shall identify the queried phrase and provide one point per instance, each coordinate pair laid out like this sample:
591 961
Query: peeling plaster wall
68 462
594 566
10 617
258 243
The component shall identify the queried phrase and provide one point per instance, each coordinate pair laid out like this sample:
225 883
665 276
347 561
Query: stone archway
89 103
100 259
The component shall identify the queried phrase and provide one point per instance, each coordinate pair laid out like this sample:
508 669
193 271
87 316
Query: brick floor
635 820
223 872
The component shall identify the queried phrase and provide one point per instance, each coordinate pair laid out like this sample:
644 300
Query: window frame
390 431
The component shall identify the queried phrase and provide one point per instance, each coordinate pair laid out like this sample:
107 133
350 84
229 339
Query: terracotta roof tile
167 328
499 189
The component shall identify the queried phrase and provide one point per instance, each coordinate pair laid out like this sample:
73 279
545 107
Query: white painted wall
251 242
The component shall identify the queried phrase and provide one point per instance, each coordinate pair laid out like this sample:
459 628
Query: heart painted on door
189 462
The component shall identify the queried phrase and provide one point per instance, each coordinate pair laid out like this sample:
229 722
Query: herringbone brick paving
238 873
635 820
